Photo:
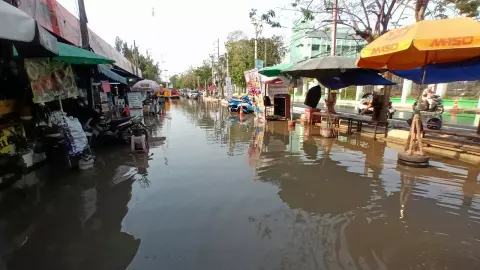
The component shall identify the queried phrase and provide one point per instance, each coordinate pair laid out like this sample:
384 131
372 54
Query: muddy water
222 194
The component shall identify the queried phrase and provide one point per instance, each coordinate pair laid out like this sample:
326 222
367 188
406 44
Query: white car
193 94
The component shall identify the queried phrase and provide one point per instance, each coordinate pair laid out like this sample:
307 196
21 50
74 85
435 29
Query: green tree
241 55
240 58
150 69
371 18
177 81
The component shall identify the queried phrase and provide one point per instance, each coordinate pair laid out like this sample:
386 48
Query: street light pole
258 31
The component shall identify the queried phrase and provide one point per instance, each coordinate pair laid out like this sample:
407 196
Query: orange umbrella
422 43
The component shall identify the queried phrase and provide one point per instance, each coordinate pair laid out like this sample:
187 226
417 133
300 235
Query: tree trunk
420 8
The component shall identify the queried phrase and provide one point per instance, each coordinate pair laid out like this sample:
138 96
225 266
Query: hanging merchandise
106 86
50 80
73 131
103 97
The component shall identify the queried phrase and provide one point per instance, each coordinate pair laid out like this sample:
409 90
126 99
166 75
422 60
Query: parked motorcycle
244 103
367 99
120 129
436 105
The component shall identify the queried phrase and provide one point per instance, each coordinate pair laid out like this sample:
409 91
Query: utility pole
213 71
258 26
83 25
333 46
228 66
135 57
86 45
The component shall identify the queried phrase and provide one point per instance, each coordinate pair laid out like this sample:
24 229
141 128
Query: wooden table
334 117
360 119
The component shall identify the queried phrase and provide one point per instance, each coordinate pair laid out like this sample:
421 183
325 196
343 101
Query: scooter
367 99
436 106
120 129
244 103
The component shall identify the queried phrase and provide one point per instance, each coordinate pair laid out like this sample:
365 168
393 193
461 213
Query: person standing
161 104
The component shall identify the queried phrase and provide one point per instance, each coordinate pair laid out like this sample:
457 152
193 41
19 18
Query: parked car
193 94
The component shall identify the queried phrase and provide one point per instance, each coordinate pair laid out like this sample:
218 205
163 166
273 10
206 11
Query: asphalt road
451 122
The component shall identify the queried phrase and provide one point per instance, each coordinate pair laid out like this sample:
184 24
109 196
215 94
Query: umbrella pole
412 157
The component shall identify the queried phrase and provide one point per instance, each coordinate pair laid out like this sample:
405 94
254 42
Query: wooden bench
360 119
335 118
468 135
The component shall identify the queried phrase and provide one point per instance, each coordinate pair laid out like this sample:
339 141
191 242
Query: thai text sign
252 77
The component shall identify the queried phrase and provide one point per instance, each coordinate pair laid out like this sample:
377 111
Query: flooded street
223 194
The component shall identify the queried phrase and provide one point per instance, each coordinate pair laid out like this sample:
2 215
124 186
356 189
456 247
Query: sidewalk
397 106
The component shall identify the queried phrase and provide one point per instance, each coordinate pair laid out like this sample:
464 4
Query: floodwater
223 194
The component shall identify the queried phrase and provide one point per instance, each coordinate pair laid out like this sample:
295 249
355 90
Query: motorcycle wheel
440 109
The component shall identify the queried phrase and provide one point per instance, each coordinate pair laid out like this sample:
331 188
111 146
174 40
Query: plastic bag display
73 132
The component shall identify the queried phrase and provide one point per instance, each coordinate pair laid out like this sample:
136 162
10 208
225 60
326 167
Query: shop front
43 106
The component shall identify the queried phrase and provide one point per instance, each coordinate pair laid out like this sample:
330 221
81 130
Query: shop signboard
253 79
254 85
259 64
54 17
228 84
135 100
50 80
278 88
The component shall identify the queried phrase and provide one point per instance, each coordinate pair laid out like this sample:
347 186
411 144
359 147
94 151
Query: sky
183 32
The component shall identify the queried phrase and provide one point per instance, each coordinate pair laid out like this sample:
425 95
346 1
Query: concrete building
307 42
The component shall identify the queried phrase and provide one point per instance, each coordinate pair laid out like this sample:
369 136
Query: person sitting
427 97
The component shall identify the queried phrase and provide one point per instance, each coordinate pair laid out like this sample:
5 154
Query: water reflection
218 193
73 222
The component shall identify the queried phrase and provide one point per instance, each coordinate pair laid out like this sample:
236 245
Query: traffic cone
455 104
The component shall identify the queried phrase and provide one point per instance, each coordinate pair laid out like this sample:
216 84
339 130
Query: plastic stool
138 140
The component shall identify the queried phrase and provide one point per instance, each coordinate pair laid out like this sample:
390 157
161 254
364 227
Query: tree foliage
144 62
372 18
240 51
193 77
241 55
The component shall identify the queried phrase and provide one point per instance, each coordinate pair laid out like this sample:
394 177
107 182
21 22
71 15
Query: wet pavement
220 193
459 121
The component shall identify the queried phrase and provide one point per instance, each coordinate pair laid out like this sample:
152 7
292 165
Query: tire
440 109
413 164
413 158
